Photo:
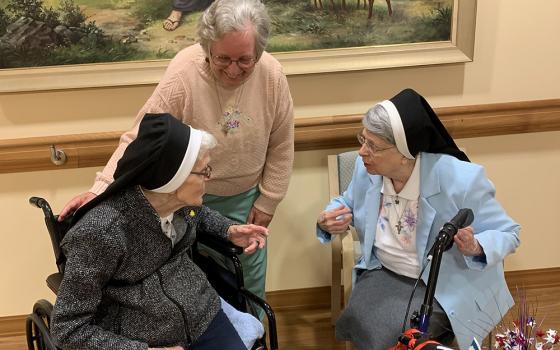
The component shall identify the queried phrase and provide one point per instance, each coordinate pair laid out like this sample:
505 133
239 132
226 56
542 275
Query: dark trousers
191 5
219 335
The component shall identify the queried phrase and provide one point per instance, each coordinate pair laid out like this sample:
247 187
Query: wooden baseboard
537 278
300 298
310 298
12 325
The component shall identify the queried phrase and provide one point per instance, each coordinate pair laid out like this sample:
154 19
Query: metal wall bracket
58 157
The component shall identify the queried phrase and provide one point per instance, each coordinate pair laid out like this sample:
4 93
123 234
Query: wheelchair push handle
39 202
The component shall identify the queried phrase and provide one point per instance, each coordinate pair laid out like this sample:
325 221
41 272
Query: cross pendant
399 227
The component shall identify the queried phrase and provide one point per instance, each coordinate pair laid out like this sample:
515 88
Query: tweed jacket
125 286
471 290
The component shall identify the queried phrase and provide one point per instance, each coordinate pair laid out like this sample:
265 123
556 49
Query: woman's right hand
75 203
335 221
250 237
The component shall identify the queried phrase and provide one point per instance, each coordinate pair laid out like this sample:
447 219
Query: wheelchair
228 284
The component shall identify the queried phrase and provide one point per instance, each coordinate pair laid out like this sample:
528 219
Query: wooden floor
297 329
311 328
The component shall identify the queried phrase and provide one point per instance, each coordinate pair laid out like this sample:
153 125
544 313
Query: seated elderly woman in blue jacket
409 180
129 281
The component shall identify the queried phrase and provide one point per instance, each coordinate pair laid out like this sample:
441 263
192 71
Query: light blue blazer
472 291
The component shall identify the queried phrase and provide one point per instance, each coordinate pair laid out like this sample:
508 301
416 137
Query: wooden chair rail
461 122
94 149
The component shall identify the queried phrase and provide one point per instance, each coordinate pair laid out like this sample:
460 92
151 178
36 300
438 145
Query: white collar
411 190
167 226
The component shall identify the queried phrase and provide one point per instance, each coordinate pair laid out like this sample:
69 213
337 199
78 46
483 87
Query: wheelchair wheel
37 327
260 344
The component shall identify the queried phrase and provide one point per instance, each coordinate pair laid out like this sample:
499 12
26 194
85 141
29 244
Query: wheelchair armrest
221 245
54 281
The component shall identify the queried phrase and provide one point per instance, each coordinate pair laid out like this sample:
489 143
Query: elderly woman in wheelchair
409 180
129 281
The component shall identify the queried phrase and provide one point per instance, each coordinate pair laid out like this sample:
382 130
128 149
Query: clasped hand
335 221
467 243
250 237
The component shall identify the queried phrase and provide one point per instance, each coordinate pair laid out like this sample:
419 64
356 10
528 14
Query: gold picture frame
459 49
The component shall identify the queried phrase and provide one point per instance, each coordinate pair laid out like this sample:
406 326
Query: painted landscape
36 33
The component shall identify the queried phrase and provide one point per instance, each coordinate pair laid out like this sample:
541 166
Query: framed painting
66 44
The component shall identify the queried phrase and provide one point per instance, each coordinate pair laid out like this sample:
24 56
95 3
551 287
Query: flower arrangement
524 333
516 339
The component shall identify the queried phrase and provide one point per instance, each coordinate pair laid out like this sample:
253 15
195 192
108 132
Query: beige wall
516 58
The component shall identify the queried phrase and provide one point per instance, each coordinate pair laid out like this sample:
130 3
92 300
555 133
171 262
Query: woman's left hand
251 237
259 217
467 243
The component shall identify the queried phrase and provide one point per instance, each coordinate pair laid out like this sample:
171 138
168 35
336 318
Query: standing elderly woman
409 180
229 86
129 282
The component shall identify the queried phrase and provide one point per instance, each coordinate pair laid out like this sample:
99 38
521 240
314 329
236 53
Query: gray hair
226 16
207 143
376 120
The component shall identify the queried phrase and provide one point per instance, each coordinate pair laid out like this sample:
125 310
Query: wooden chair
345 247
341 168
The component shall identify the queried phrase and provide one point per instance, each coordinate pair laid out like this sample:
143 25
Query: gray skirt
374 315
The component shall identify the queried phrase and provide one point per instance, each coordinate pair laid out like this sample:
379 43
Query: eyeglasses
245 62
206 172
370 146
